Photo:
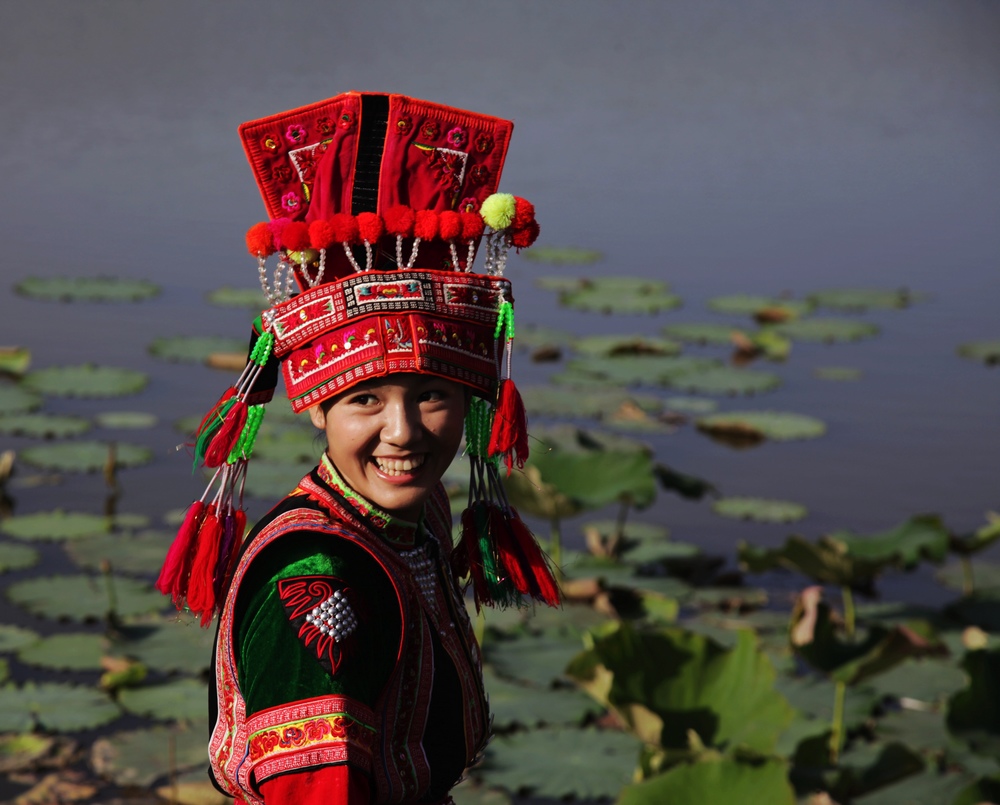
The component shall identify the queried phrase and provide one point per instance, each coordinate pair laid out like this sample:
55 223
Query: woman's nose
402 423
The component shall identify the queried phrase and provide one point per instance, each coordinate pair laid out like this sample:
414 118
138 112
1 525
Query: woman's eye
363 399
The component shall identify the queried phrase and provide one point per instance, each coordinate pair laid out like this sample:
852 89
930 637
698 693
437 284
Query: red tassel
226 437
213 413
548 587
240 527
200 592
470 545
179 550
508 551
510 427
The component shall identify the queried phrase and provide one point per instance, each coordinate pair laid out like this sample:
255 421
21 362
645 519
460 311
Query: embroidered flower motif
484 143
324 126
430 130
480 174
292 736
457 137
468 204
290 202
295 134
282 174
403 125
346 120
270 143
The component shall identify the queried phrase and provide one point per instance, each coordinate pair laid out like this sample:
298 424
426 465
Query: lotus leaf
687 486
562 255
986 351
982 537
716 779
193 788
827 330
469 792
583 402
529 706
251 298
837 373
984 790
974 712
759 510
17 557
984 575
981 608
691 405
701 333
635 369
65 652
126 420
55 707
931 787
140 553
174 644
926 680
621 295
778 425
537 659
724 380
86 456
611 346
86 380
42 425
863 298
664 682
871 768
194 349
55 525
924 730
591 764
86 289
82 598
22 752
16 400
142 757
536 337
293 443
921 537
813 697
750 305
181 700
559 284
635 531
14 360
13 638
273 479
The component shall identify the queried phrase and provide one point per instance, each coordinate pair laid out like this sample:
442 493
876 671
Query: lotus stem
848 598
968 581
555 545
837 724
619 534
109 586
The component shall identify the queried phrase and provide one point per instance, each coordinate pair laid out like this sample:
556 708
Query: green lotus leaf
87 289
923 537
691 405
57 524
289 444
470 792
140 553
86 380
180 700
724 380
872 768
175 643
634 531
925 680
86 456
537 337
853 299
43 426
666 681
16 400
65 652
562 255
14 361
252 298
13 638
126 420
141 757
702 333
987 352
585 402
559 284
55 707
193 348
780 426
621 295
635 369
22 752
974 712
813 698
759 510
591 764
273 479
985 789
837 373
716 779
82 598
982 537
751 305
530 706
827 330
536 659
17 557
613 346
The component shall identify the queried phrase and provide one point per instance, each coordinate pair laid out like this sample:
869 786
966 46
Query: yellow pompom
498 210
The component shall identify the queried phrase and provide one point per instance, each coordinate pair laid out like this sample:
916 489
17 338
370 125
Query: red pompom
295 236
321 234
523 238
260 241
399 220
277 227
472 225
450 226
370 226
524 213
425 226
345 227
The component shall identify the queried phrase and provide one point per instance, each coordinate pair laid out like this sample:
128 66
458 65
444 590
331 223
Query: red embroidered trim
302 595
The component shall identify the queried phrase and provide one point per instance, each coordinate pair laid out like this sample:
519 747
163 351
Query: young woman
346 669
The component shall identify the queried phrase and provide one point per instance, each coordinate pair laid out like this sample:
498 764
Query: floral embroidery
484 143
346 120
270 143
282 174
324 126
457 137
480 174
320 611
468 204
290 202
295 134
430 130
403 125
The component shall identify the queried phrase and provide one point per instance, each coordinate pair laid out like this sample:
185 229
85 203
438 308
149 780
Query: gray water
725 147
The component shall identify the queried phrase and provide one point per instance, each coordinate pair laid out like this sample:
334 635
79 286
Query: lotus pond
718 643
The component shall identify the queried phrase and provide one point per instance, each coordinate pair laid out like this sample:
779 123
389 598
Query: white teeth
396 466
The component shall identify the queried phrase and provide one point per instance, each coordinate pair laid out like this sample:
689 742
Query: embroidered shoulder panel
319 609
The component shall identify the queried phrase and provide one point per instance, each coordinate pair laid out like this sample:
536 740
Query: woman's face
392 438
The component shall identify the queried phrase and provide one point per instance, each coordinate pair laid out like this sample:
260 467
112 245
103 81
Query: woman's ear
318 416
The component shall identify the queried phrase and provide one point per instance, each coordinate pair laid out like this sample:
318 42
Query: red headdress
378 206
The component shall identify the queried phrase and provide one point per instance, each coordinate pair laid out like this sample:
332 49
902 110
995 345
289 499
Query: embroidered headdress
378 207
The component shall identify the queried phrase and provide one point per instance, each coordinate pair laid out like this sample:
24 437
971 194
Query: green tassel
505 320
204 436
244 445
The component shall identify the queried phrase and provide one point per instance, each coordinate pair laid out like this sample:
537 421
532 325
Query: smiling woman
346 668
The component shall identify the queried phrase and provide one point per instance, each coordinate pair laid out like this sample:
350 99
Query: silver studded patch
334 617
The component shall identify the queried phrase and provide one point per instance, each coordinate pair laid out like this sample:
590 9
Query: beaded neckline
398 532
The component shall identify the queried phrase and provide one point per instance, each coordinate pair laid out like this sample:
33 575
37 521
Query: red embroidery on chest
319 608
